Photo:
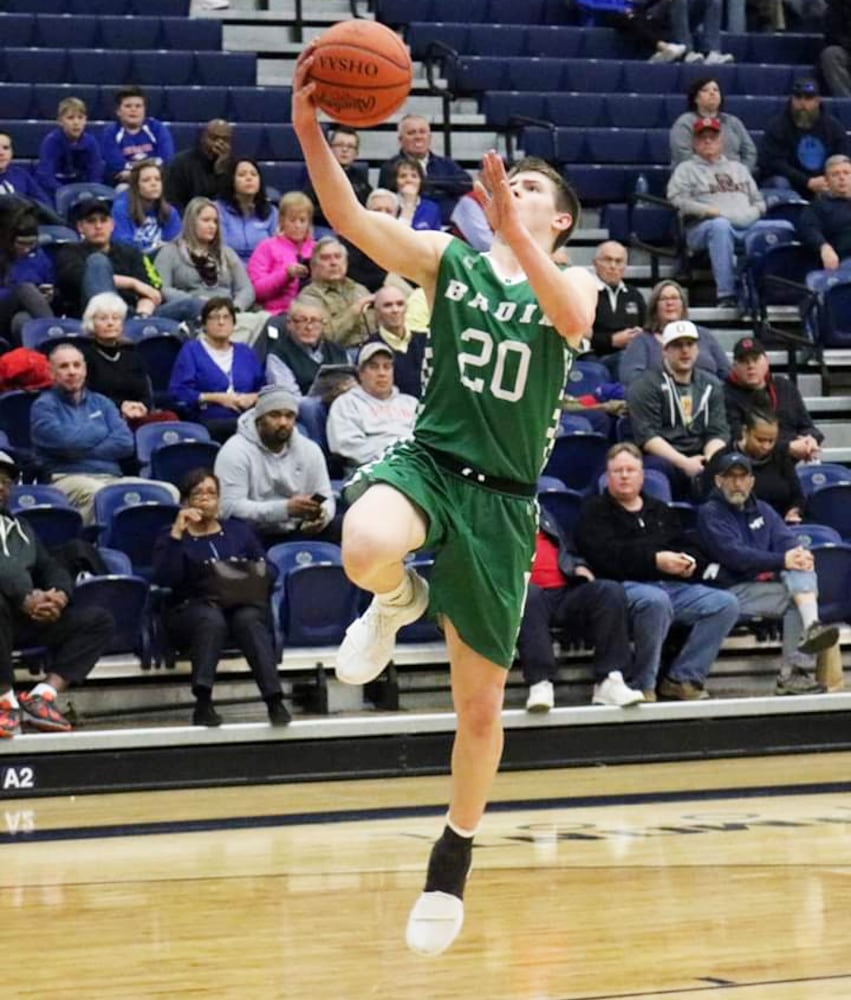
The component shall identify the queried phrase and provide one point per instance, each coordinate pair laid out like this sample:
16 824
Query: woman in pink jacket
279 265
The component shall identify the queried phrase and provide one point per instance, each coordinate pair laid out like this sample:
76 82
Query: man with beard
825 225
761 562
273 476
797 144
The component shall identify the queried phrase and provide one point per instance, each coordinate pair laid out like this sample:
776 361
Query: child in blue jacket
69 154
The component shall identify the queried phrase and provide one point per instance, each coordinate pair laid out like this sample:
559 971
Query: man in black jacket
200 172
632 537
34 611
620 309
751 386
835 58
798 142
825 224
564 593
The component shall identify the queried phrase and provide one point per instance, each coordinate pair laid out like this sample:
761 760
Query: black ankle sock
449 863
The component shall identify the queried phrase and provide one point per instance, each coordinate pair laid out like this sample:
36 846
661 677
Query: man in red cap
719 201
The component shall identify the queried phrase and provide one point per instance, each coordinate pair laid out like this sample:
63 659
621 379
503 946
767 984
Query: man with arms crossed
502 329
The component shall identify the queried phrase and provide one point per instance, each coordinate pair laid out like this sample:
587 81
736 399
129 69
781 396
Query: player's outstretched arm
567 297
391 244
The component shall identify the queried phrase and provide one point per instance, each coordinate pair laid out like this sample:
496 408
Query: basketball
362 71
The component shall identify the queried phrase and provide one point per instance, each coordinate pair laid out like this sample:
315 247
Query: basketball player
502 329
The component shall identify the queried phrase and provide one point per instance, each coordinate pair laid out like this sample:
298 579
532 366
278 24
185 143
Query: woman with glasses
295 358
667 304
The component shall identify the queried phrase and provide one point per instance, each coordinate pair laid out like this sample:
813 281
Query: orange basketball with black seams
362 71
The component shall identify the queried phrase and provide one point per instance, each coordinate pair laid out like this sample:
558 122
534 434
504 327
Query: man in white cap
677 412
373 414
273 476
36 609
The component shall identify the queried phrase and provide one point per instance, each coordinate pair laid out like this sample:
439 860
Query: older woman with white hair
114 367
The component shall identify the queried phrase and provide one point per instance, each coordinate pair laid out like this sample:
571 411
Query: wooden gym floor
728 880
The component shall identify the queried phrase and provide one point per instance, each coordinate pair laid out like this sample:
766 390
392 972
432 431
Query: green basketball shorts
483 542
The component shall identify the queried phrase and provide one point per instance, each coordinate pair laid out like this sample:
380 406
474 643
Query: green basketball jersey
494 370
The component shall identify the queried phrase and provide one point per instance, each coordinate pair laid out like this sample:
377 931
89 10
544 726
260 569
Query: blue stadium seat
132 33
563 506
171 69
761 79
158 352
15 417
17 29
753 110
475 74
259 104
833 566
500 106
605 43
814 477
658 145
499 40
474 11
634 111
510 12
46 97
810 535
26 136
171 462
725 75
775 48
831 505
35 6
585 377
593 75
420 36
103 66
196 34
553 41
284 176
184 134
197 104
251 140
68 193
280 139
569 423
57 31
137 327
318 604
162 8
577 460
230 69
577 110
651 78
17 101
126 598
35 65
42 334
22 497
149 437
623 145
834 314
539 75
52 525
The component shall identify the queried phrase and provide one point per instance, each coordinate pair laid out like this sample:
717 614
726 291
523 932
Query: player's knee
479 713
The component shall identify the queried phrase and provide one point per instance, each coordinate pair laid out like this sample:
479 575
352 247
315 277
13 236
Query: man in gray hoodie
677 413
720 202
273 476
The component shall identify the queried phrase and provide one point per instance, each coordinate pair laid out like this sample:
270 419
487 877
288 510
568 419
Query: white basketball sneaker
369 642
434 922
614 691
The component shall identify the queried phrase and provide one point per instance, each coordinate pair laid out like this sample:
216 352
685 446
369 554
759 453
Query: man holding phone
274 477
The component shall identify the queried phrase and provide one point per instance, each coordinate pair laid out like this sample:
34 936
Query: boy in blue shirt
134 137
69 154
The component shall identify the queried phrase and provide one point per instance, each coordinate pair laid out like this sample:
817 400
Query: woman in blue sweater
246 215
201 616
214 380
141 214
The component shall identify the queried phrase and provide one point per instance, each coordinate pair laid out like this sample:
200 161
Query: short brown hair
567 200
624 446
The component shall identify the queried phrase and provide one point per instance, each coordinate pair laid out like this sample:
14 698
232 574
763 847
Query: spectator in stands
79 436
446 181
752 386
416 211
677 414
141 214
37 609
214 380
469 222
761 562
344 300
69 154
389 325
98 263
295 358
245 212
280 265
692 20
705 100
345 145
835 58
564 593
630 536
620 311
825 224
371 415
775 479
200 172
134 137
27 274
203 616
667 304
113 367
720 203
274 477
196 266
798 142
17 181
363 269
